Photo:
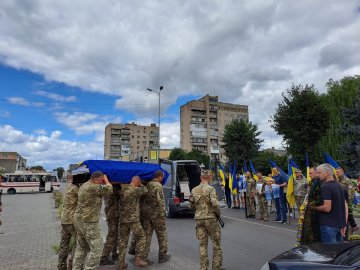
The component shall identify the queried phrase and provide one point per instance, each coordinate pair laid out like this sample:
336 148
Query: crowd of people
323 204
133 207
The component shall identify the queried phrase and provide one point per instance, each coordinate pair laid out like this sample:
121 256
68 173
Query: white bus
19 182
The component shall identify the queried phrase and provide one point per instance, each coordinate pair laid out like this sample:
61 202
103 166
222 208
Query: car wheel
11 191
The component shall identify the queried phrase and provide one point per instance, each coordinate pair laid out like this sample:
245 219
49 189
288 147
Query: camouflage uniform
250 196
112 219
130 220
300 190
67 224
86 224
153 211
204 201
263 203
350 187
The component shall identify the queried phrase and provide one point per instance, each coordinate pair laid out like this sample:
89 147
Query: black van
184 175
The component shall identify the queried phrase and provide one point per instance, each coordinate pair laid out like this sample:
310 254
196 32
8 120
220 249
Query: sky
68 68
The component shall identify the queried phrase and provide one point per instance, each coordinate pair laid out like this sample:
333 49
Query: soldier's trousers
299 200
67 232
263 207
89 242
111 242
206 228
139 234
250 204
149 226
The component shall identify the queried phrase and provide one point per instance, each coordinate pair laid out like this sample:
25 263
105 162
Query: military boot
140 262
164 258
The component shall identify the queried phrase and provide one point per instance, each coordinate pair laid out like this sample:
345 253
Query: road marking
259 224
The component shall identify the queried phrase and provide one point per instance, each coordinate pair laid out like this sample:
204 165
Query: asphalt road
247 243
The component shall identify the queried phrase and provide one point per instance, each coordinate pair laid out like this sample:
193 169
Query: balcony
195 108
199 143
214 149
125 132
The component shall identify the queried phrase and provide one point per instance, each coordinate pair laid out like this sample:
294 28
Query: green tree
241 141
351 132
340 94
177 154
199 156
302 119
60 172
37 168
261 162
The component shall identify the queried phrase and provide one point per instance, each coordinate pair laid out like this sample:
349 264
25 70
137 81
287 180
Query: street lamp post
158 93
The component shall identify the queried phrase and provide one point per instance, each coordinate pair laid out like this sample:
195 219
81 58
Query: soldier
130 195
263 203
154 216
300 188
70 199
86 221
350 187
204 201
250 194
112 219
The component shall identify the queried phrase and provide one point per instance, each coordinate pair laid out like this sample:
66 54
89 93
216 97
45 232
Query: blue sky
68 68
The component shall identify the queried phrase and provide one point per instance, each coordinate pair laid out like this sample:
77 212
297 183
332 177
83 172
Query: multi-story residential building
202 123
12 162
123 139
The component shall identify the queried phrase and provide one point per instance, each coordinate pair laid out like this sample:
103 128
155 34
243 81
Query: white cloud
23 102
48 151
86 123
170 135
55 96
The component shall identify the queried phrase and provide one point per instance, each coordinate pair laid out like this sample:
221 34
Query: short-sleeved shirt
333 191
279 179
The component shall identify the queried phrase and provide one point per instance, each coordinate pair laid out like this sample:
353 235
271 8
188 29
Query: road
30 228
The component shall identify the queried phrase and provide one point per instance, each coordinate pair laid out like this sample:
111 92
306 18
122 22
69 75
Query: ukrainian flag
273 165
332 162
307 168
222 174
253 171
290 197
235 184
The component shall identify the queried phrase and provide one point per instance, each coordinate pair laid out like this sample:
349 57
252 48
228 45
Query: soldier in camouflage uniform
263 203
250 194
350 187
301 186
130 195
204 201
70 198
154 216
112 219
86 221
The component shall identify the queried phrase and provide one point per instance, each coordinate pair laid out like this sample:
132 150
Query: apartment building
202 123
123 139
12 162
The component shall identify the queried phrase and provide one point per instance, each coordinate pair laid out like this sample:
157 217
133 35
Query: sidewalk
30 229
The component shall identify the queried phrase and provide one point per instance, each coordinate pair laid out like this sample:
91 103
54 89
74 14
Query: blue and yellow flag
235 184
222 174
290 196
273 165
253 171
307 168
332 162
230 176
245 168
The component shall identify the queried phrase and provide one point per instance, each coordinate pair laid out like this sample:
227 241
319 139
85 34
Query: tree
261 162
351 131
177 154
302 119
37 168
60 172
340 94
199 156
241 141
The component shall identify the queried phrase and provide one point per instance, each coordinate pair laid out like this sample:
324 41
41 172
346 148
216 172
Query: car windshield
349 257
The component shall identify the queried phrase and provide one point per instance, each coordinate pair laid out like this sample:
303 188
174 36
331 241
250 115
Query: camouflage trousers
111 242
263 207
206 228
140 238
299 200
67 232
250 205
89 243
149 225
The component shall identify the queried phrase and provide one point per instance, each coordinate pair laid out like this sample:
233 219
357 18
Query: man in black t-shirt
333 213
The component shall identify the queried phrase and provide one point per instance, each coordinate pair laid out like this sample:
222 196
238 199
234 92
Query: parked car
184 175
318 256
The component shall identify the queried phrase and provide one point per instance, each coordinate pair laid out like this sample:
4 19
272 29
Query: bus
23 182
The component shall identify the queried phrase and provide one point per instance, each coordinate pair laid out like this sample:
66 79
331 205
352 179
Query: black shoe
277 220
106 261
283 222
